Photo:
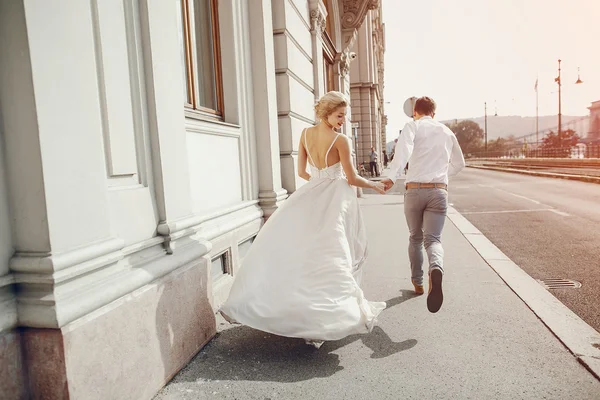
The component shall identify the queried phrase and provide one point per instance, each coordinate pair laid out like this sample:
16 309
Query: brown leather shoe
435 298
419 290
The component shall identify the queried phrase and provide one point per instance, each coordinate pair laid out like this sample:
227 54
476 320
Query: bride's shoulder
342 140
309 129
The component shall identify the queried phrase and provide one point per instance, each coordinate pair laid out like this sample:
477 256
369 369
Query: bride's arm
302 159
343 148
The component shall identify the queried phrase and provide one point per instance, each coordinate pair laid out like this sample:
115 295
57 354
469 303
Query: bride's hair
330 102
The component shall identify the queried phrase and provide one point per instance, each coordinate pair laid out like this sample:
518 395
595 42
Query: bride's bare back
320 143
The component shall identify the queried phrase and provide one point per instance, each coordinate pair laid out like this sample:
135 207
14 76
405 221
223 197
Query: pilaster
271 192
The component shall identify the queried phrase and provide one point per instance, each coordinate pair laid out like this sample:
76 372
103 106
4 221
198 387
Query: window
328 50
244 247
220 266
200 56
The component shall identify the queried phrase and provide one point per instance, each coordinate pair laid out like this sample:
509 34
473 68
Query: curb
581 178
576 335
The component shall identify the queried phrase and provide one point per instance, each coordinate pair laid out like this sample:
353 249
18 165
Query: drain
559 283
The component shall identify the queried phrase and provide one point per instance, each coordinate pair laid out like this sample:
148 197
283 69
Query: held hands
387 183
379 187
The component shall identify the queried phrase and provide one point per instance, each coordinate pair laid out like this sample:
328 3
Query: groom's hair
425 106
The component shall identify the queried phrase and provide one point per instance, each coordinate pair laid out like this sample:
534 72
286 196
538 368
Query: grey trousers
425 211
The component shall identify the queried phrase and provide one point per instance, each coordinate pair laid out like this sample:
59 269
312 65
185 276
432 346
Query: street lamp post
485 127
557 80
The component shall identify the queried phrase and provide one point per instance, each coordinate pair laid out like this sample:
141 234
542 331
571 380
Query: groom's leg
413 211
433 224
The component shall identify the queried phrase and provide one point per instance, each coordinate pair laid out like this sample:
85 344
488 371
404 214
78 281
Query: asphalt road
549 227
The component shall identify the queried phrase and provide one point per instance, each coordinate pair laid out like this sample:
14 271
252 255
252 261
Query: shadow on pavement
243 353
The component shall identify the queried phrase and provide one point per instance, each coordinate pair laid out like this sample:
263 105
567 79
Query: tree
553 146
499 147
469 135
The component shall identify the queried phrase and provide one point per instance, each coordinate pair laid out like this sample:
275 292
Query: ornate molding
50 294
318 21
345 59
271 200
354 12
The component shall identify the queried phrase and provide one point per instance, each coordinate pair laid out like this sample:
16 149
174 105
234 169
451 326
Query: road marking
564 214
550 208
521 197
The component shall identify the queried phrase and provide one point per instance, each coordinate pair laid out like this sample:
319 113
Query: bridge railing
576 152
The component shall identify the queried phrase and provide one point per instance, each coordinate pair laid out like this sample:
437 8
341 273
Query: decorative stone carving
354 11
318 21
345 59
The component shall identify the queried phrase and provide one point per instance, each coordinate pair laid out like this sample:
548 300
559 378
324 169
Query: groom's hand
388 183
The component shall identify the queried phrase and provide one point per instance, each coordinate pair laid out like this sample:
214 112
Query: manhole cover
559 283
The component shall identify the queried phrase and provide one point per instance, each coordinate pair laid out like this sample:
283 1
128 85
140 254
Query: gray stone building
366 86
142 145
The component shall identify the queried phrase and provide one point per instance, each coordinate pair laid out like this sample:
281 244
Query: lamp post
485 127
558 81
485 130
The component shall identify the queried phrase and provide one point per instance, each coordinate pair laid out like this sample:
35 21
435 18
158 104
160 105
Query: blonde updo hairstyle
330 102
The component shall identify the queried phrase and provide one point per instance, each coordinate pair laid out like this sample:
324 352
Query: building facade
366 83
142 145
593 135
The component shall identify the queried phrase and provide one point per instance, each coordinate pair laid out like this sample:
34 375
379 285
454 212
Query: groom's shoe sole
435 298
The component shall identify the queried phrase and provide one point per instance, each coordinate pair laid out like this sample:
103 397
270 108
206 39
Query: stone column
56 164
166 113
318 21
55 170
271 193
66 264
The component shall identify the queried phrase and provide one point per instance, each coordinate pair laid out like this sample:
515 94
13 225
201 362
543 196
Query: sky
463 53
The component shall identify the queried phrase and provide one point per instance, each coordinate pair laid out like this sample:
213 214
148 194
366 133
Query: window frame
192 106
328 63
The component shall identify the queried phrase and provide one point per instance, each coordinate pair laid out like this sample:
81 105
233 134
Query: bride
301 276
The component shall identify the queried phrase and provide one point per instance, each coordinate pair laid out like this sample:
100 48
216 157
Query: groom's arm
457 160
403 151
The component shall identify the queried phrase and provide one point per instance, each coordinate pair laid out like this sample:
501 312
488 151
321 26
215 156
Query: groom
433 153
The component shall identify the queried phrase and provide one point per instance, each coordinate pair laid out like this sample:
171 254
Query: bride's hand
379 187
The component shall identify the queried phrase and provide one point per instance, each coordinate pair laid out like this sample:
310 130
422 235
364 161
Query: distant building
594 130
366 87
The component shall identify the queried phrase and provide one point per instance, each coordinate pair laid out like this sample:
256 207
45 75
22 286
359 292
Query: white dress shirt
431 150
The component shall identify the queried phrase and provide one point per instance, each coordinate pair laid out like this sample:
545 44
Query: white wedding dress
301 276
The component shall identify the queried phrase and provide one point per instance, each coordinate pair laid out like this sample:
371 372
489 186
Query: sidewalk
485 343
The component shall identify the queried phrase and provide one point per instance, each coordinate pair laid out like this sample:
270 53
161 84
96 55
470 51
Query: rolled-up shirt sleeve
403 151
